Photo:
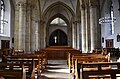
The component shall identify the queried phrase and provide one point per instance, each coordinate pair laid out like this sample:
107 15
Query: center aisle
57 69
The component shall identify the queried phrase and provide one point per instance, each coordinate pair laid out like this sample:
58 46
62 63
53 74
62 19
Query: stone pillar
22 25
37 45
78 35
94 25
69 33
0 14
28 28
42 34
38 34
47 35
75 34
16 31
88 36
33 32
83 28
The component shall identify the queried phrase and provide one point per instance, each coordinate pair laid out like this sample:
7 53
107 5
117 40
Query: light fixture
107 20
4 21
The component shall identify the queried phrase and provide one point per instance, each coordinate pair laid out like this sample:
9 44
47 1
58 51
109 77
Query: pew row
12 68
12 71
97 70
58 52
39 59
84 57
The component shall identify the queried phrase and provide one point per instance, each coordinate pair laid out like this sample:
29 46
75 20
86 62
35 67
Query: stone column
94 25
37 45
33 32
38 34
37 30
28 28
88 36
69 33
42 34
78 34
83 28
0 14
16 31
75 34
22 25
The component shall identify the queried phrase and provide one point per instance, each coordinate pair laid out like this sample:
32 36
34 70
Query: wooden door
58 38
109 43
5 44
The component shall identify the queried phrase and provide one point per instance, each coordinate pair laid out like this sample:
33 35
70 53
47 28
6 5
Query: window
2 17
58 21
118 38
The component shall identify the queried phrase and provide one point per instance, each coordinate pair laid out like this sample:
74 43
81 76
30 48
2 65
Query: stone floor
57 69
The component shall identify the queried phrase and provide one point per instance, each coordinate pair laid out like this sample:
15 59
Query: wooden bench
29 67
12 71
82 57
112 51
101 71
58 52
39 59
8 51
97 70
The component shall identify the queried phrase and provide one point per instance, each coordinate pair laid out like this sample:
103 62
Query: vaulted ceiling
66 9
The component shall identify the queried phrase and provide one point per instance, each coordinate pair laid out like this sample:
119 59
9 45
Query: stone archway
58 38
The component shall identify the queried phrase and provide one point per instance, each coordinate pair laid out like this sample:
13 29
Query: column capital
76 21
82 7
21 4
93 3
42 21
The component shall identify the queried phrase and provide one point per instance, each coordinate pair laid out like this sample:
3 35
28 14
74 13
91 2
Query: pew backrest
101 68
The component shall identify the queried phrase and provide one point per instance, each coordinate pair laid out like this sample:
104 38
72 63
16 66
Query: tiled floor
57 69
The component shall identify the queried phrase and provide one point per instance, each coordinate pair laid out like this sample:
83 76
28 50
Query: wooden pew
12 71
69 57
84 60
58 52
82 57
38 58
15 52
29 66
112 51
102 70
8 51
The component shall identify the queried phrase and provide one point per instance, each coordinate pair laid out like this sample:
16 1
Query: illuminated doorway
58 38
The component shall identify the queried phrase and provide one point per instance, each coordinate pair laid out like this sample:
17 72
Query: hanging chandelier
109 20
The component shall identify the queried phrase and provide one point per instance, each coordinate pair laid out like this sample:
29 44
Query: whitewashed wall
105 27
8 27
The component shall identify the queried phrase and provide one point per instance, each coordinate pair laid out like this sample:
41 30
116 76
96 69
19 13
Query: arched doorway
58 38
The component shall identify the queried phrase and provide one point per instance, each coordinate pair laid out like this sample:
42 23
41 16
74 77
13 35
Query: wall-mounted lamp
4 21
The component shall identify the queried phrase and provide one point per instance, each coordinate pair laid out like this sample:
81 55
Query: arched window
2 17
59 21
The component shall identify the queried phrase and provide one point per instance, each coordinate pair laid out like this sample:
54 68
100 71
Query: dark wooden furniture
101 70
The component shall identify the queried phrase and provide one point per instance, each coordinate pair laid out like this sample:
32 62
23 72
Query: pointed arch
60 16
56 4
